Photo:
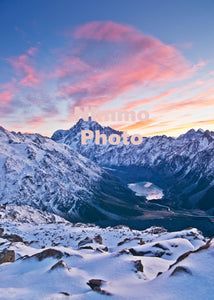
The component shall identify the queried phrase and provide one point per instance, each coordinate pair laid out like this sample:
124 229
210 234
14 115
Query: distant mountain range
51 175
182 166
36 171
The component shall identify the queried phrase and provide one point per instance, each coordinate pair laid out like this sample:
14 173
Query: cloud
181 128
5 97
24 68
104 31
36 122
201 100
100 62
114 59
137 103
32 51
138 125
68 66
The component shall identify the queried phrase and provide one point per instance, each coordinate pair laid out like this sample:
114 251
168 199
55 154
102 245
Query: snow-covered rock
183 166
50 262
36 171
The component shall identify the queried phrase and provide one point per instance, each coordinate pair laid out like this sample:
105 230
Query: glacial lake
147 189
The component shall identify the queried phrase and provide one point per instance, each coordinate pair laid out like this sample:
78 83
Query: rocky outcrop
89 240
126 240
13 238
185 255
138 266
1 231
139 253
95 285
59 265
98 239
48 253
180 270
7 256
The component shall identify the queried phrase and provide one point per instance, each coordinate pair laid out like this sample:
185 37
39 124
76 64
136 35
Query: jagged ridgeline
36 171
183 166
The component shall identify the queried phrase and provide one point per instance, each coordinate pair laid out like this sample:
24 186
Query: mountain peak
192 134
63 136
86 124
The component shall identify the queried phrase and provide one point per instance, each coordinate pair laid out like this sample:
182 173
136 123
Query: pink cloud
68 66
10 86
35 122
199 101
32 51
101 62
141 60
138 103
5 98
23 66
103 31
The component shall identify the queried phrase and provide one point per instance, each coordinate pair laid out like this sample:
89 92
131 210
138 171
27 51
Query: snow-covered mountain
43 256
36 171
183 166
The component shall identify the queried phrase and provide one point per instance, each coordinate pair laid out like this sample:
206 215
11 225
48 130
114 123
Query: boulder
95 285
138 266
59 265
1 231
86 247
13 238
48 253
98 239
180 270
158 245
126 240
65 294
139 253
7 256
86 241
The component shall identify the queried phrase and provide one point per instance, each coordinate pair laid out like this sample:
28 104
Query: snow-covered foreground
55 259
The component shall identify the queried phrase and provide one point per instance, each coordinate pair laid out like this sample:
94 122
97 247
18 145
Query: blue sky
58 54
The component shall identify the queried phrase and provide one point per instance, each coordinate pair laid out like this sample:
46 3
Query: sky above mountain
125 55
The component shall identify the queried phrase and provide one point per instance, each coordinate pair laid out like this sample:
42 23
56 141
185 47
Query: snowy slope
185 165
55 259
36 171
